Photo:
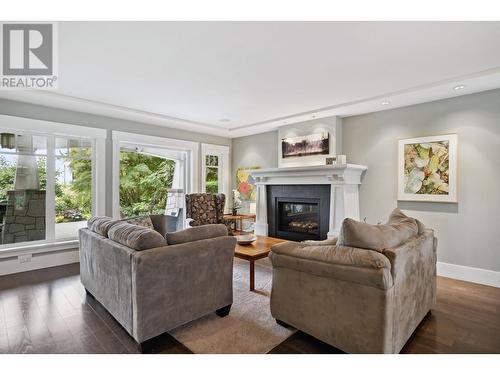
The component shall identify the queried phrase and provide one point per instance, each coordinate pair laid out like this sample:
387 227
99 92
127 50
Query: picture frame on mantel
428 169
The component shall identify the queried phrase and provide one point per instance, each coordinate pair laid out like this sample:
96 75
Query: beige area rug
248 329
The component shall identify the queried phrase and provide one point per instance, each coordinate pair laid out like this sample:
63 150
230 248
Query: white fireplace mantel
344 193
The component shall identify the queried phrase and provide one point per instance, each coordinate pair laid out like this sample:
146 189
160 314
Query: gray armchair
360 300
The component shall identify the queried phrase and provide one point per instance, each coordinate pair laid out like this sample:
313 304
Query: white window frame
52 130
222 152
188 148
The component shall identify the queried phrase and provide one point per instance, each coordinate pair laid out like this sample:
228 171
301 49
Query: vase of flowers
236 202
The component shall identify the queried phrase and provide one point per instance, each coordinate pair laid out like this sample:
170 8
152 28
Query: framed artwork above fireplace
306 145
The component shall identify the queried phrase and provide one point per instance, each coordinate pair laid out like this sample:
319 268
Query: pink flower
244 188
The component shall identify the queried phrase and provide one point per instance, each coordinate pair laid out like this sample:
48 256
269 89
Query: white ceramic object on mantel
341 160
344 193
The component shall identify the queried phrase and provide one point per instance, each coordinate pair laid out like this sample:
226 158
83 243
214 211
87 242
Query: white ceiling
260 75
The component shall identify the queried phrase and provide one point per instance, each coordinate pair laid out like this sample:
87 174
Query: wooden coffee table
258 249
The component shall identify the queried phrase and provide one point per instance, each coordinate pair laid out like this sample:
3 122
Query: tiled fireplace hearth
306 202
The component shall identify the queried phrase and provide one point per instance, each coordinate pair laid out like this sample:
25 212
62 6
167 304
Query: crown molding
71 103
475 82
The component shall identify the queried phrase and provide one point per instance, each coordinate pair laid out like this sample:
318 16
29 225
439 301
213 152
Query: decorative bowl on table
246 239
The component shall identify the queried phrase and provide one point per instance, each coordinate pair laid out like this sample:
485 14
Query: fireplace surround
342 180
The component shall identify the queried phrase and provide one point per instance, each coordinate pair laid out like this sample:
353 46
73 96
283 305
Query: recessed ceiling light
224 120
385 102
459 87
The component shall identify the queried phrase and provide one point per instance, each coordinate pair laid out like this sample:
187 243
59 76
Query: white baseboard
38 261
471 274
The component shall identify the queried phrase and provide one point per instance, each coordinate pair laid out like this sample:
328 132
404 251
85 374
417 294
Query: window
212 175
145 167
145 177
73 185
46 183
215 170
23 183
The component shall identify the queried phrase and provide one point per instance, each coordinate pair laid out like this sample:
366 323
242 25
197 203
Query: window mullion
220 180
50 195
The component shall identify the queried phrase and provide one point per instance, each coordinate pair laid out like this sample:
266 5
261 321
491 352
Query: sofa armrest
327 242
333 254
105 271
414 275
197 233
415 256
159 223
175 284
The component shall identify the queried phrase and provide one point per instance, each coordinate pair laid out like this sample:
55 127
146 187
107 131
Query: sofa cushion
101 224
143 221
201 232
377 237
135 236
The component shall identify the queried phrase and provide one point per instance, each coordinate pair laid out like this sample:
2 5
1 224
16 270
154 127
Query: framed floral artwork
427 169
245 184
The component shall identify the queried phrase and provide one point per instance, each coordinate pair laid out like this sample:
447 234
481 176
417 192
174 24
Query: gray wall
13 108
255 150
468 232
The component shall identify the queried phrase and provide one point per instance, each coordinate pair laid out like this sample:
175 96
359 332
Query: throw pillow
143 221
377 237
101 224
398 215
136 237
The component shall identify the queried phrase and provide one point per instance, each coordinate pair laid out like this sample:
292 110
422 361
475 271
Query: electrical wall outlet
25 258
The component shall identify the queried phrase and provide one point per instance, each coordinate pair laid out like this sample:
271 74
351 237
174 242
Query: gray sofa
365 294
151 287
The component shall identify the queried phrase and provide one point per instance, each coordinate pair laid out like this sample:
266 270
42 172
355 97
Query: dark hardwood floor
466 319
48 311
